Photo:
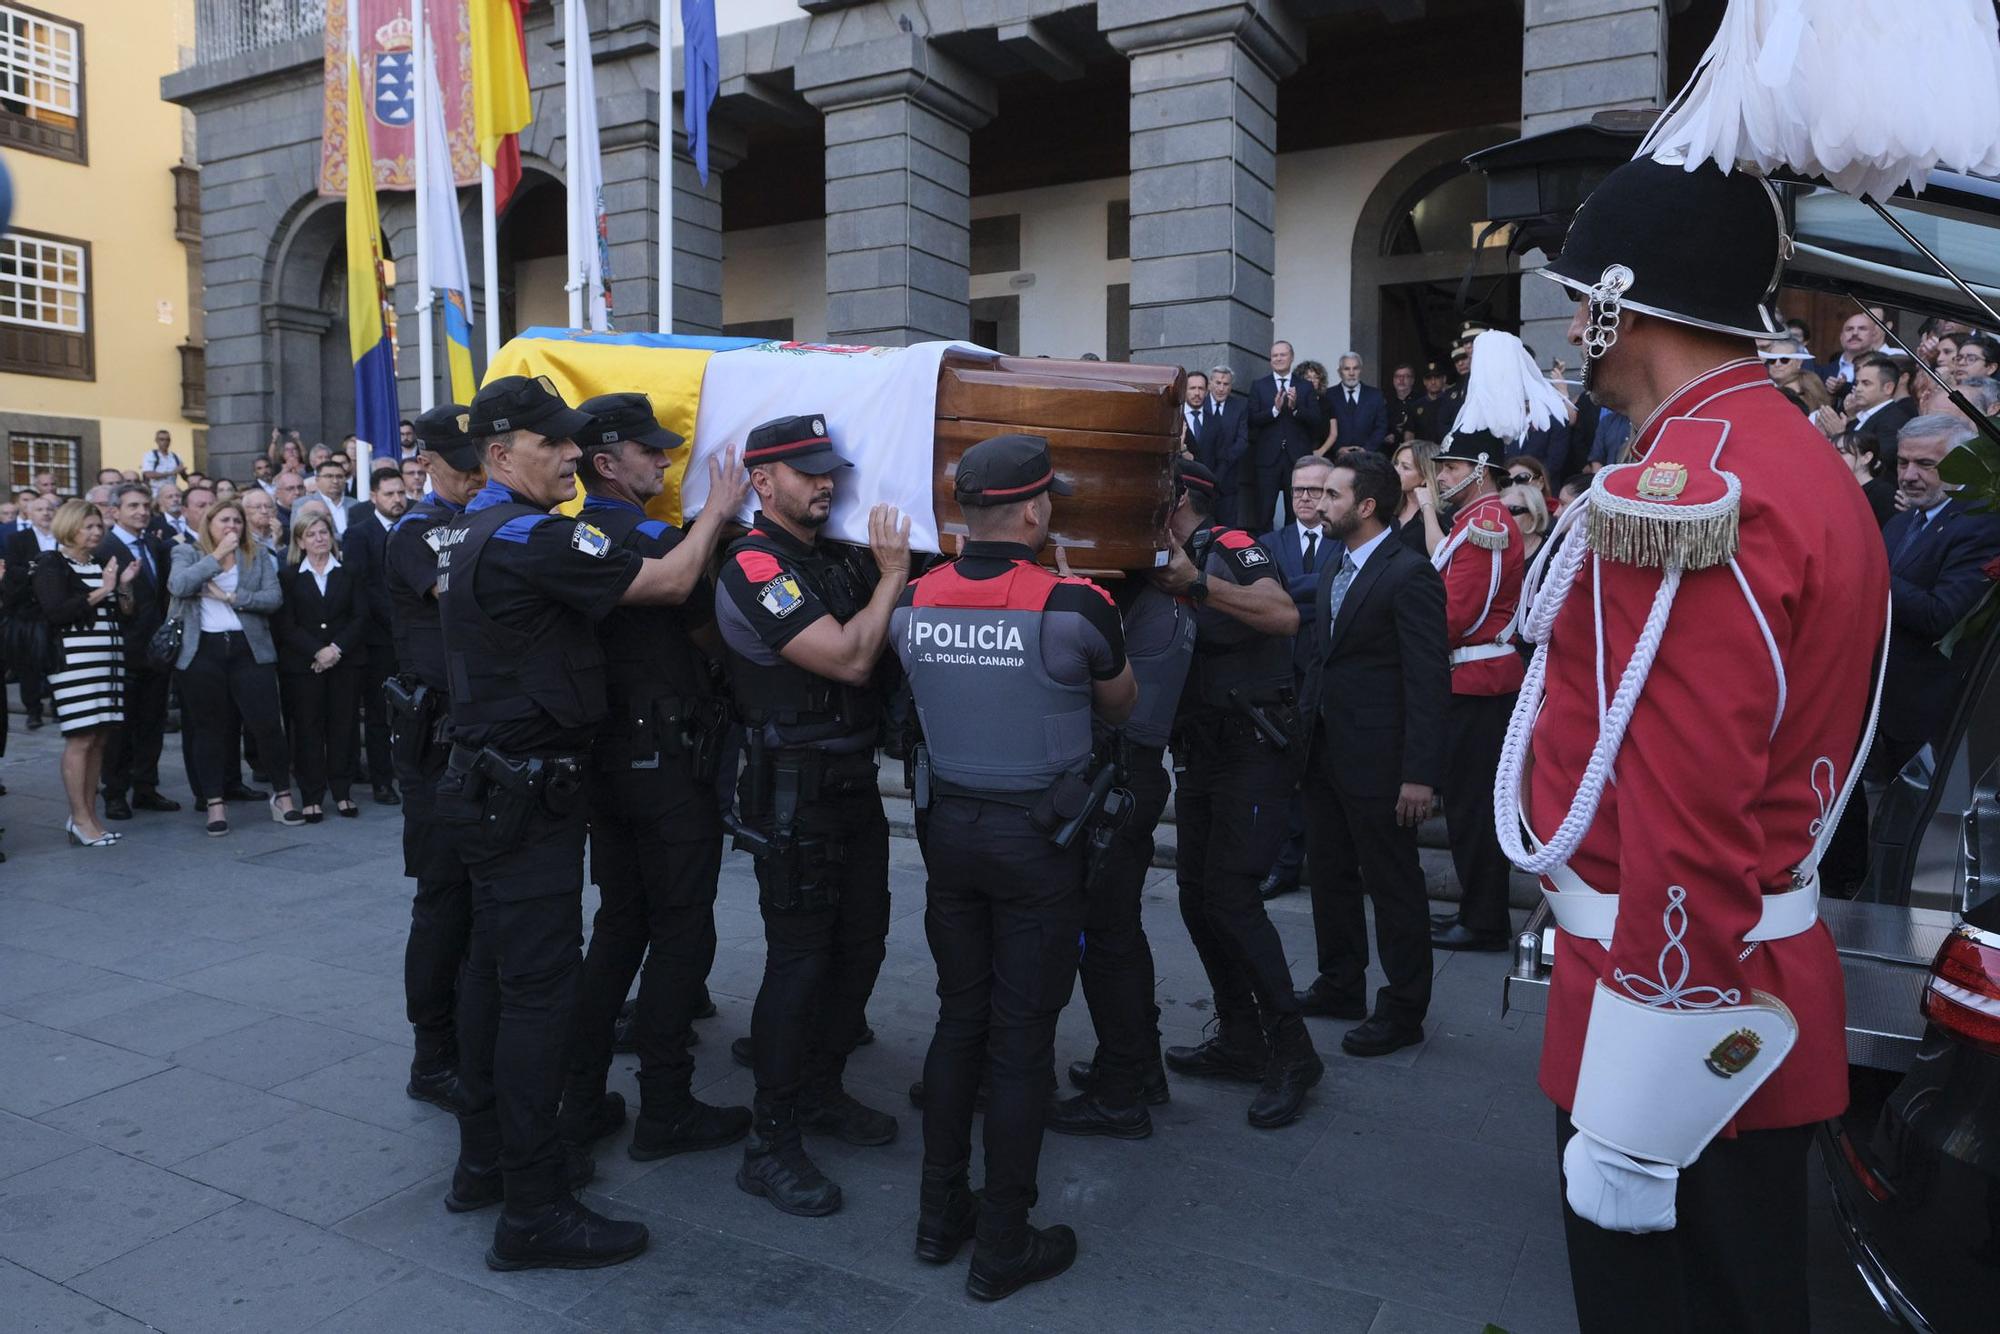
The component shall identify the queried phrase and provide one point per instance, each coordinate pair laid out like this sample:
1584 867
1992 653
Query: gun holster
501 794
414 714
794 867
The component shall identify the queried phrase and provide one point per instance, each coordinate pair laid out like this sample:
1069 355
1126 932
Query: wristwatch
1198 590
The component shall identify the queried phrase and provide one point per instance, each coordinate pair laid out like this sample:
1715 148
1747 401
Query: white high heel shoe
77 840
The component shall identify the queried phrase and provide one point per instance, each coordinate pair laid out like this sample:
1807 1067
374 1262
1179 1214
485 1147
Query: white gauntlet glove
1617 1191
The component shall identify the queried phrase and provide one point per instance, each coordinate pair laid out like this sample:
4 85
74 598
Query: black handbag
163 650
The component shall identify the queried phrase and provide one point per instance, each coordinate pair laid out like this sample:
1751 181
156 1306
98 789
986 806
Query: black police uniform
419 698
1001 656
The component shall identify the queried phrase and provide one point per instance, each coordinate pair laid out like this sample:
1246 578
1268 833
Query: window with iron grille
45 306
41 83
61 456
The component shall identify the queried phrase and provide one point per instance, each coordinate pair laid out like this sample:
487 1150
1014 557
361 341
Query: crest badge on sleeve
590 540
781 596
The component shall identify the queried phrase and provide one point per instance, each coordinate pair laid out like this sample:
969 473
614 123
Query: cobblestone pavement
203 1129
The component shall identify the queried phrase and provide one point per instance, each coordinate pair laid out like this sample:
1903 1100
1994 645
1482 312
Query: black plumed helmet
1702 247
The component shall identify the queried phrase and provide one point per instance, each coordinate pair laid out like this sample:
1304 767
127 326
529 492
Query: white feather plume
1506 393
1869 94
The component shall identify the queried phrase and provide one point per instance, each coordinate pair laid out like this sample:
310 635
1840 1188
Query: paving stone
272 1051
1538 1298
25 974
246 1270
1512 1187
283 983
171 1023
1397 1318
72 1008
171 959
46 1068
80 1210
317 1166
25 1144
370 1087
36 1306
438 1304
173 1115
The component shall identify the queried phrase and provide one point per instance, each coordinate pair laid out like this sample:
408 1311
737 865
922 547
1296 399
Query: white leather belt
1583 911
1480 653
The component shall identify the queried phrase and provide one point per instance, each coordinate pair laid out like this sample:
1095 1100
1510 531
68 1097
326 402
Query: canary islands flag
375 413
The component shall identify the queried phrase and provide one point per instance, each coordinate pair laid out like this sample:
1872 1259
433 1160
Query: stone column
1203 171
1580 57
899 120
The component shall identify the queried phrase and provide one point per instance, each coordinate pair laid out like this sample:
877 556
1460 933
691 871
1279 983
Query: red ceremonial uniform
1737 746
1482 589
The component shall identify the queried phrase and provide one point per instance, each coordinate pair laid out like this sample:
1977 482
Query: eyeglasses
1518 511
1522 478
1308 492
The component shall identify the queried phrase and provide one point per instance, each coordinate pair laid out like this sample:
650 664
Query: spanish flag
501 107
375 414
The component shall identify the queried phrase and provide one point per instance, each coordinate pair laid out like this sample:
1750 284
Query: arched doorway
533 241
305 323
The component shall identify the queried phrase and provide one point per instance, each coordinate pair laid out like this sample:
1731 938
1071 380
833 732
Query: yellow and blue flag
375 411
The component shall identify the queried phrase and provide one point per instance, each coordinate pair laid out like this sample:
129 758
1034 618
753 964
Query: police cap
442 431
1192 476
800 441
615 418
524 403
1007 469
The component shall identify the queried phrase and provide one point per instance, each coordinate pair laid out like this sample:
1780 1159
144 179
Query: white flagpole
420 54
489 261
576 27
666 167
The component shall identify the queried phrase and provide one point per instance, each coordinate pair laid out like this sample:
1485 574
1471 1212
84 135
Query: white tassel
1507 394
1868 94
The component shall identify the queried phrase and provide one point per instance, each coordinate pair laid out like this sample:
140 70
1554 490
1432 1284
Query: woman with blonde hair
83 604
1530 509
224 594
322 634
1416 518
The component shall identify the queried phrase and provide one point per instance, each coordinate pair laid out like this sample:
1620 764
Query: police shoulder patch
1253 555
590 540
434 538
781 596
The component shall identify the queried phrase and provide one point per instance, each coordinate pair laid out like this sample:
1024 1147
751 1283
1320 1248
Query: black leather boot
1008 1254
585 1119
947 1214
482 1187
1238 1051
1088 1114
1293 1069
685 1125
825 1108
563 1234
775 1165
439 1087
1152 1080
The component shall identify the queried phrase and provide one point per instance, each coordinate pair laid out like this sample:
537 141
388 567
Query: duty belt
1583 910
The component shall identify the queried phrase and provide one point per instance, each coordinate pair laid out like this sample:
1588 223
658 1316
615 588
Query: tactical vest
793 706
413 616
1229 656
1159 643
648 652
496 673
993 717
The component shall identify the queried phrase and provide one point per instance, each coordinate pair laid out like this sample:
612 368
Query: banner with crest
386 40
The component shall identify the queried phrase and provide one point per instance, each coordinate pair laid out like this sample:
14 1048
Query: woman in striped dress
84 604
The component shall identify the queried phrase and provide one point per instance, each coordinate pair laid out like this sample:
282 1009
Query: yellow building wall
122 202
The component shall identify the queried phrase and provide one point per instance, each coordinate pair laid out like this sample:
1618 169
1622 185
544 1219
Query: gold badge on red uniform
1663 481
1666 513
1734 1052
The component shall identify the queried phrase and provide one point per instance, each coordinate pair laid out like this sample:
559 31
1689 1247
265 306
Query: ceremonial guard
1708 626
655 830
1233 745
1482 563
419 699
519 591
1007 663
805 624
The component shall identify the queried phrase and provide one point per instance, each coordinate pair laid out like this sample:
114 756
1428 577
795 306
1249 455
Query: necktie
145 558
1917 527
1338 593
1350 396
1312 552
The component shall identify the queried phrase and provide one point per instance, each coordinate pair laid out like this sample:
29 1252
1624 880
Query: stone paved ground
203 1129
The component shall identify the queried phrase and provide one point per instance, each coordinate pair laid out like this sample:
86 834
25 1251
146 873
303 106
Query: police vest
993 717
499 674
1159 655
1233 664
648 652
413 616
795 707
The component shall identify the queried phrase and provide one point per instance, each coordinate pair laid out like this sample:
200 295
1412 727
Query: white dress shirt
320 574
1359 555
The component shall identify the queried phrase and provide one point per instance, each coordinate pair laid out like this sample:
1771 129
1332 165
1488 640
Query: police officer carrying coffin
519 590
805 633
441 912
1232 737
655 833
1007 663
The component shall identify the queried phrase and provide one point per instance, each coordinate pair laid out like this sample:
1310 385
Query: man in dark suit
1299 549
1286 421
368 526
1195 421
1879 406
17 594
1376 694
132 757
1228 415
1400 402
1357 409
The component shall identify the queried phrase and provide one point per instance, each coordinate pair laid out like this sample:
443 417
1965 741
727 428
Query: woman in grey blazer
223 597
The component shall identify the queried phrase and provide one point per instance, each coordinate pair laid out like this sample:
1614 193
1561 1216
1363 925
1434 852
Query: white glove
1616 1191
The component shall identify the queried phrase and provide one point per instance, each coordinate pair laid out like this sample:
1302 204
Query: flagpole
420 54
573 30
489 261
666 160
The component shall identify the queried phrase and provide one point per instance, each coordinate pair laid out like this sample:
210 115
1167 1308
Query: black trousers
374 670
224 673
1735 1259
319 714
132 755
1117 964
1231 790
1356 848
1475 729
1004 907
820 966
657 904
440 922
517 998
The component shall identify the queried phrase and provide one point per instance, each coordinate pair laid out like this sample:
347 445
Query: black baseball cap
524 403
619 417
1006 469
442 431
1192 476
800 441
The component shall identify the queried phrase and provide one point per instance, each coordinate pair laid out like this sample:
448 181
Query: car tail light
1963 997
1878 1189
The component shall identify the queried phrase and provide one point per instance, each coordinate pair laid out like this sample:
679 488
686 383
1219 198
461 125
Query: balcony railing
226 29
194 382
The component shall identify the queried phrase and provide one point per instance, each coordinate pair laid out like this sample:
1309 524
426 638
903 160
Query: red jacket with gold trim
1482 587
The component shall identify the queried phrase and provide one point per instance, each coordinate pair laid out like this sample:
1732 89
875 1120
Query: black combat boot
775 1165
562 1234
947 1213
437 1086
1008 1254
1083 1077
672 1120
588 1116
825 1108
481 1186
1090 1114
1294 1068
1238 1051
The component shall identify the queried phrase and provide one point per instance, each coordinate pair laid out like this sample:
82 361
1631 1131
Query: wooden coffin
1113 427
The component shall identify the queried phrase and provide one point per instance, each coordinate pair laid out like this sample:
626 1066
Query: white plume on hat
1868 94
1506 394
